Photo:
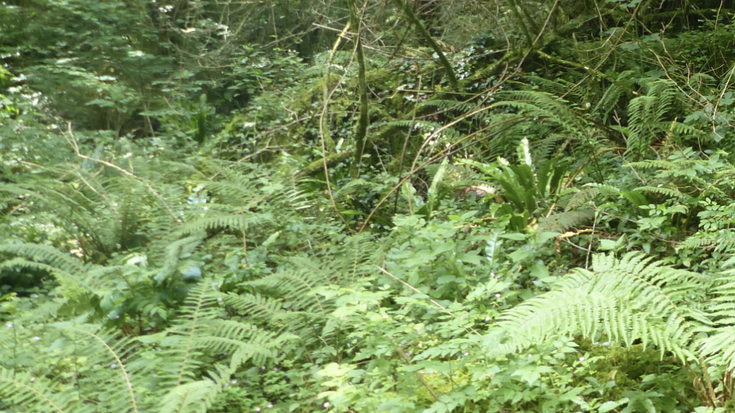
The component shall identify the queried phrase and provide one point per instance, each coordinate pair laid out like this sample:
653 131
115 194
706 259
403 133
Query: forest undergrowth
500 206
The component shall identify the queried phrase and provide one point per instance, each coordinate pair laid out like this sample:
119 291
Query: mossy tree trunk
362 120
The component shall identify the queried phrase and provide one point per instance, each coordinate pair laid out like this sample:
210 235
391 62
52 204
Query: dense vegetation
424 206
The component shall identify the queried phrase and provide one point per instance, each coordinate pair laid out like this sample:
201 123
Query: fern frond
667 192
35 394
255 305
545 106
583 196
558 86
608 101
160 229
684 129
181 347
660 164
719 347
625 299
178 249
45 253
48 310
647 113
245 342
722 240
235 221
63 277
293 300
121 384
192 397
299 287
565 220
564 314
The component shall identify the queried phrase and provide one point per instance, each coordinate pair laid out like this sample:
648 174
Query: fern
71 285
54 257
105 373
543 106
426 126
685 173
609 101
181 347
667 192
585 195
243 198
298 286
256 306
121 383
625 300
212 221
722 241
648 113
557 86
292 300
719 347
193 397
101 211
119 373
35 395
565 220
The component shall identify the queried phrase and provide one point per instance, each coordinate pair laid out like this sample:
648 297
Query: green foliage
530 193
623 300
222 207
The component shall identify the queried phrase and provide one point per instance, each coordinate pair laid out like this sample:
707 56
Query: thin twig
416 290
420 292
71 139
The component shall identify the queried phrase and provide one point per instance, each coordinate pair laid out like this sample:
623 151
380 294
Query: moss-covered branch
591 71
331 159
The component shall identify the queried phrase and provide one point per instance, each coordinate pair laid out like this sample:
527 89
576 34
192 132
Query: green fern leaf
625 299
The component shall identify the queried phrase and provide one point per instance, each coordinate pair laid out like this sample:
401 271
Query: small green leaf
607 244
607 406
